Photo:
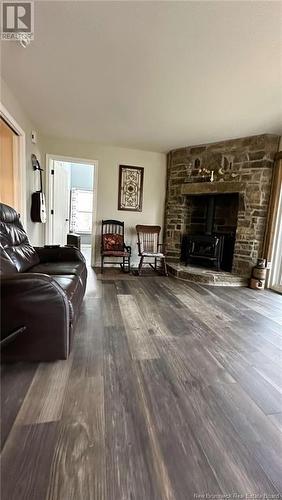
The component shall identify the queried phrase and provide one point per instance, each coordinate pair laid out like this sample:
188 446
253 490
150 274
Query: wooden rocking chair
112 244
149 247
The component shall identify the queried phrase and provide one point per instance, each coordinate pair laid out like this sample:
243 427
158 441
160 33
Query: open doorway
12 163
72 202
8 152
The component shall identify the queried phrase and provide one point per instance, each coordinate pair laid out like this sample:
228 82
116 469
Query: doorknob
67 220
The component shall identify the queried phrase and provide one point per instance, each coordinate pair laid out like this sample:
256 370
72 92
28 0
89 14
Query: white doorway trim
19 163
49 195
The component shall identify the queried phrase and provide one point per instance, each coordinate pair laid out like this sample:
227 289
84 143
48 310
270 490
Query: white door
61 202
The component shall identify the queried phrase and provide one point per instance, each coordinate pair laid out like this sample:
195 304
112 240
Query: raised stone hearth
242 166
197 274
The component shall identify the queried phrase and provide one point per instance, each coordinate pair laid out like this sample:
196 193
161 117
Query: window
81 211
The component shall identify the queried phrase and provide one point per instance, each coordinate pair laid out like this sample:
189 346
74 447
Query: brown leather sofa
41 293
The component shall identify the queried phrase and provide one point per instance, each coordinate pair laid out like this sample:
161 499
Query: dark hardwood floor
172 390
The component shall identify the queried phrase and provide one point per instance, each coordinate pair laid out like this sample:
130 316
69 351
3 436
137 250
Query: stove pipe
210 214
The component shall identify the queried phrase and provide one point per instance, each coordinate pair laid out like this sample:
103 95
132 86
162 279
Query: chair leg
102 264
140 266
128 264
156 263
165 268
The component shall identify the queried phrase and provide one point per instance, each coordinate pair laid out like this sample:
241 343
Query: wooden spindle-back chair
112 244
150 247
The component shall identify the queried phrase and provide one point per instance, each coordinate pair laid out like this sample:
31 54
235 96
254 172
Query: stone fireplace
241 173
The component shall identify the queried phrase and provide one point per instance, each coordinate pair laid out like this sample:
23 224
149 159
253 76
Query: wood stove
203 248
213 243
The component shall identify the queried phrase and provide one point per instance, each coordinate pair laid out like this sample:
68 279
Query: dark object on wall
74 240
41 289
38 205
130 191
150 247
112 244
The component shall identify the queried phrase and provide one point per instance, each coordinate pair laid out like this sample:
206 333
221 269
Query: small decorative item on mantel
207 175
203 174
130 191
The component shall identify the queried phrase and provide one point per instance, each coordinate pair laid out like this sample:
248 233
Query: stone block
257 155
254 195
197 150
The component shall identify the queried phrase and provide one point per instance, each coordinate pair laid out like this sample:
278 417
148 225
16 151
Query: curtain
273 208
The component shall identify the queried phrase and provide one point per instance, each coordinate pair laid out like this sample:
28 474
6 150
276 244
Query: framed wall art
130 190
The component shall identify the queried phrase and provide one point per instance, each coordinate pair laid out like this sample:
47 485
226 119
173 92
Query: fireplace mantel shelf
213 187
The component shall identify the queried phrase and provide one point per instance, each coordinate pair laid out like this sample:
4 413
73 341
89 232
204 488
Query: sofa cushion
68 283
14 240
113 242
59 268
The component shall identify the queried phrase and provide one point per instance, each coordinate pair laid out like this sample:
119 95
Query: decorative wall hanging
130 193
38 205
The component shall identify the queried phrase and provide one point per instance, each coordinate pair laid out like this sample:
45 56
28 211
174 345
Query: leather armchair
36 302
41 290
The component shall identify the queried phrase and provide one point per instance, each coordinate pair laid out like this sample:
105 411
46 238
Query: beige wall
109 158
9 101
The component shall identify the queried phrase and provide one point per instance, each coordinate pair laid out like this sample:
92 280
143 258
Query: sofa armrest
59 254
38 303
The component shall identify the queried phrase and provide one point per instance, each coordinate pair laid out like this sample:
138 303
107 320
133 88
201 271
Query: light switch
33 137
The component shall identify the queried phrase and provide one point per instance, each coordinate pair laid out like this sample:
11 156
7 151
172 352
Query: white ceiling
151 75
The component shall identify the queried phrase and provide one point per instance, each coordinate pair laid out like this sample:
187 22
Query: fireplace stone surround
243 166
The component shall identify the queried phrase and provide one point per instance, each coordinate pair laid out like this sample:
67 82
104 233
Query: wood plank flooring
172 391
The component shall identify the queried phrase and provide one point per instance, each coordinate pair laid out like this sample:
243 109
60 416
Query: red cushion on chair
115 253
113 242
